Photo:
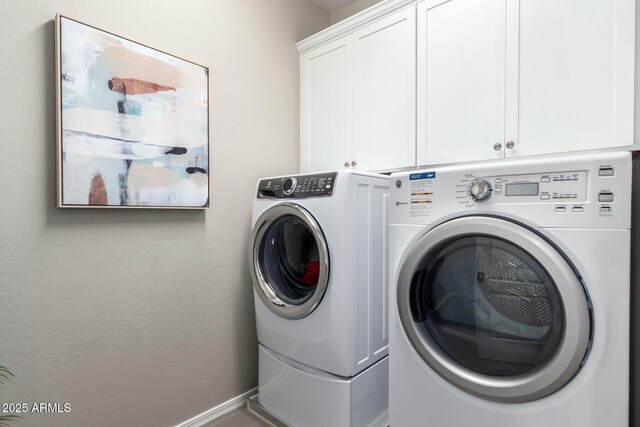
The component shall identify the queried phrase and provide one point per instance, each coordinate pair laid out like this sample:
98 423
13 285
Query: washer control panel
297 187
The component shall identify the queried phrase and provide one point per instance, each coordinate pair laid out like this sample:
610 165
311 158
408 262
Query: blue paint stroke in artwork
129 106
105 146
69 99
97 95
122 179
133 108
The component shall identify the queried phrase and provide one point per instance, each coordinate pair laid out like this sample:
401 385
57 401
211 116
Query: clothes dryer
510 293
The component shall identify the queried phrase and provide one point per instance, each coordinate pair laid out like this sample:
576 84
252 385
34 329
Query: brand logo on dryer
422 175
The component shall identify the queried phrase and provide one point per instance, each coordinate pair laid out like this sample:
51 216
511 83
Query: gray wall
140 318
351 9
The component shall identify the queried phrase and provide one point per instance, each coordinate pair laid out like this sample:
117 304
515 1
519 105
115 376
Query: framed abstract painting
132 123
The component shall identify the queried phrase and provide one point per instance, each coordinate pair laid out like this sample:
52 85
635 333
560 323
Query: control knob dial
289 185
479 190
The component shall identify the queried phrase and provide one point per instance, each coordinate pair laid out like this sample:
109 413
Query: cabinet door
385 68
461 80
570 75
326 107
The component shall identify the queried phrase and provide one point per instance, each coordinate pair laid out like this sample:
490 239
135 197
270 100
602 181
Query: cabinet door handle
510 145
346 164
353 163
497 146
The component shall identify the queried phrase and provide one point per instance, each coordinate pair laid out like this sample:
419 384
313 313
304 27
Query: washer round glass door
289 261
494 308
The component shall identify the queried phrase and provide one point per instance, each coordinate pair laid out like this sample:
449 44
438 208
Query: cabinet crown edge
352 23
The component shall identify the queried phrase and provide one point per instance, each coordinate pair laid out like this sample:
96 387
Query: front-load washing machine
509 299
318 265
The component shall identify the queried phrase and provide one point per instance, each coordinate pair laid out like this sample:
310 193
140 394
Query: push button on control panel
605 197
545 197
545 179
561 209
577 209
606 171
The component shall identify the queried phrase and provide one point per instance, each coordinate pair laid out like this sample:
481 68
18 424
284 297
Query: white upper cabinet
461 80
570 75
408 83
509 78
326 107
358 98
385 68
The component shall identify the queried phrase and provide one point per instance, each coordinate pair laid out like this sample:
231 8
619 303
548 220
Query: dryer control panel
298 186
585 190
569 186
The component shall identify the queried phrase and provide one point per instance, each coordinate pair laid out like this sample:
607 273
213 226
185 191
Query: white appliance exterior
347 331
595 238
304 396
328 366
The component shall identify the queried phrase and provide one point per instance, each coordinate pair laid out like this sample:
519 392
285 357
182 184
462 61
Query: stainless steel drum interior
494 308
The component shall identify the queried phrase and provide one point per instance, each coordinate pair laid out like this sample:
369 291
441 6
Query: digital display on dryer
522 189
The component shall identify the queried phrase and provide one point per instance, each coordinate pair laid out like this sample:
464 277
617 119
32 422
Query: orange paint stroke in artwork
120 61
136 87
98 192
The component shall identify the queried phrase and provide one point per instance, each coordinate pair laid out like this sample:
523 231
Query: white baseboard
213 413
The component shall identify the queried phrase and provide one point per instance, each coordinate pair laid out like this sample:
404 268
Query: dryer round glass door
289 261
494 308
